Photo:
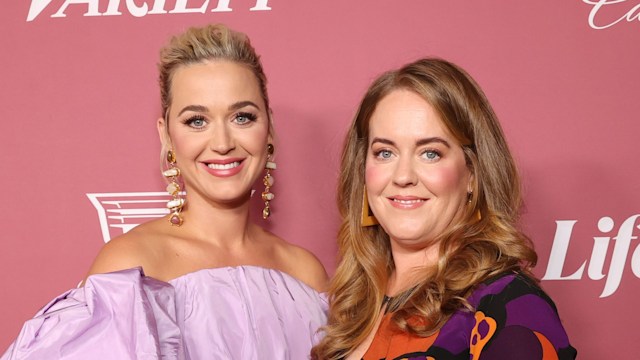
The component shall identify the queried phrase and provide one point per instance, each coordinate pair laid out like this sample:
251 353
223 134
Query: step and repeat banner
80 151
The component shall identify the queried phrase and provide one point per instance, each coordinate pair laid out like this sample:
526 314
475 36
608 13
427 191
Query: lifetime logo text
598 256
146 8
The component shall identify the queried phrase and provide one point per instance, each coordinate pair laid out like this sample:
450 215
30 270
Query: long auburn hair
483 243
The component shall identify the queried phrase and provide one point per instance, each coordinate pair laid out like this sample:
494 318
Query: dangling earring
176 203
478 214
368 219
268 182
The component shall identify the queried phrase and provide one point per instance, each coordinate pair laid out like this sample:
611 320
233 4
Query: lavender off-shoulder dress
225 313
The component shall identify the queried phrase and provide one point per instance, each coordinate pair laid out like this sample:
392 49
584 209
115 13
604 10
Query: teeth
224 166
407 202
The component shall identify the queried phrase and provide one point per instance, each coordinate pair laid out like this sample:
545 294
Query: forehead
214 81
405 114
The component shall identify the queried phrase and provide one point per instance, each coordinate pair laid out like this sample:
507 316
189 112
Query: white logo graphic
595 271
121 212
158 7
619 14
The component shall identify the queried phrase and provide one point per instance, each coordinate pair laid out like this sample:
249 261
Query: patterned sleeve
519 322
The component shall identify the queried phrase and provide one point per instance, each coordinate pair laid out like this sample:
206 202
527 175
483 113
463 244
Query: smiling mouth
228 166
408 202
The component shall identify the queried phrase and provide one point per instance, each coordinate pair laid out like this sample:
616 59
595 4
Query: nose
404 173
222 139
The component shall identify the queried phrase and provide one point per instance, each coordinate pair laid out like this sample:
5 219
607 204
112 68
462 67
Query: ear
270 139
163 133
271 136
470 183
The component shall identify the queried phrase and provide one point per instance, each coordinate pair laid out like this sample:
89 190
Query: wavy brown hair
483 243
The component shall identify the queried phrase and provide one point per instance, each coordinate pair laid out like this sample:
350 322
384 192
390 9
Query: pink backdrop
80 102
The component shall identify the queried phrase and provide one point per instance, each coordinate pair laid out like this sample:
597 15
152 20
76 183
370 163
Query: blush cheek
374 178
376 181
445 180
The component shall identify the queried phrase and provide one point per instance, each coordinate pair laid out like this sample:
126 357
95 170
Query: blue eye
383 154
244 118
431 155
196 122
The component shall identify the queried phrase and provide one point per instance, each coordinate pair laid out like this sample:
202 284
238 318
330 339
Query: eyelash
378 153
437 153
189 122
250 117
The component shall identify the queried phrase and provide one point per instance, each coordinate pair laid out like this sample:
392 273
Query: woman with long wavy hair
433 265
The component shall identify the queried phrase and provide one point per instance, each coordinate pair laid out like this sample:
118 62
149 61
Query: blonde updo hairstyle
208 43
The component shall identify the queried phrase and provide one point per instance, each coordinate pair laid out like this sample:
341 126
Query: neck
225 225
409 264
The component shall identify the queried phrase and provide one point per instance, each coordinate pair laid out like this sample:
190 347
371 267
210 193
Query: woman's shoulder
305 266
132 249
299 263
509 286
516 299
520 318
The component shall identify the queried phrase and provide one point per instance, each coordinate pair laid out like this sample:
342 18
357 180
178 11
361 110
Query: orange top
390 342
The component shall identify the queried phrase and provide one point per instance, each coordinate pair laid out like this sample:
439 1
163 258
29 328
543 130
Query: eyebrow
232 107
241 104
420 142
194 108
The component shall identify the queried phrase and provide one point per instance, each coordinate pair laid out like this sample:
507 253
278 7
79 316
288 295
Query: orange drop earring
368 219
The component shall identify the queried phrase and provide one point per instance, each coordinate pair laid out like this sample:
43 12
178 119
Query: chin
407 238
406 229
405 234
409 233
228 197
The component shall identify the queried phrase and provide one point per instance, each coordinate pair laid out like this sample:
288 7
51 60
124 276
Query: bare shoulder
125 251
303 265
309 269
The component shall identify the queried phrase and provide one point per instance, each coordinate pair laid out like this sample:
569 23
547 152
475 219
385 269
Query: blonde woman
433 265
204 282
